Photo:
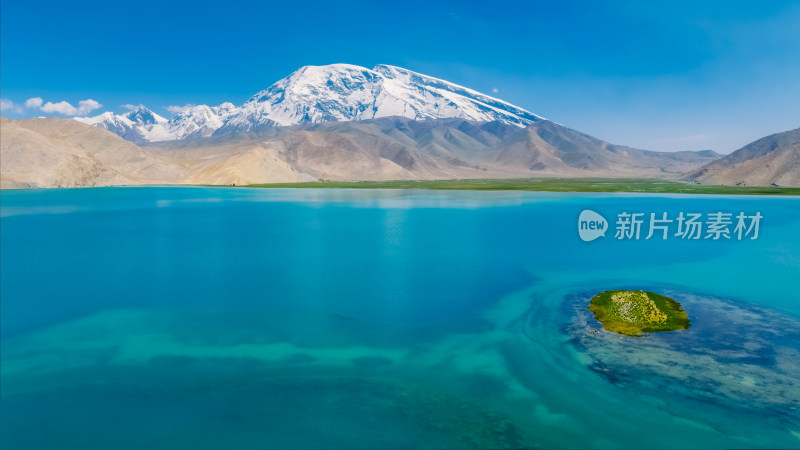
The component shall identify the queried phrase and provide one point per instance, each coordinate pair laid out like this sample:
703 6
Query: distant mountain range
62 152
345 122
316 94
772 160
142 126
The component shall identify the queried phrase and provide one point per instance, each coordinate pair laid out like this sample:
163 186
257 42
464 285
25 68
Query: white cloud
61 107
84 106
87 106
174 109
130 107
495 90
35 102
7 106
65 108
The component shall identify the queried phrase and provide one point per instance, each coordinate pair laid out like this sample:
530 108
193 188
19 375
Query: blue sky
677 75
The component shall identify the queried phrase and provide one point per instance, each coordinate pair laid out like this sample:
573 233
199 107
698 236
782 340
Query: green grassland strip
631 185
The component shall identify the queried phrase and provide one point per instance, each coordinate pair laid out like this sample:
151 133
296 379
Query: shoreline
644 186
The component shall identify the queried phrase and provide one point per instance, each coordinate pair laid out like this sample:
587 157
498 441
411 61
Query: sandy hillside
772 160
61 152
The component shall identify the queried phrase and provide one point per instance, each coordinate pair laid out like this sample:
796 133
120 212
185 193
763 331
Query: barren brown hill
772 160
60 152
56 152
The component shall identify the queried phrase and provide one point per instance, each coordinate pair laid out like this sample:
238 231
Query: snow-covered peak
195 121
314 94
403 79
338 92
144 116
105 117
225 107
143 125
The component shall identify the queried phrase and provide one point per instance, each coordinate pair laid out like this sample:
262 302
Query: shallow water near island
256 318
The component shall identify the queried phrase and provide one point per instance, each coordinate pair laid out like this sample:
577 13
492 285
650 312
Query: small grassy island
636 312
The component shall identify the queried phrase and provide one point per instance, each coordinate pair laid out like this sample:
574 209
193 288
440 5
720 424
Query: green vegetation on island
634 185
636 312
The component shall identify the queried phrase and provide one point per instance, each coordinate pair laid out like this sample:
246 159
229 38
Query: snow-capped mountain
341 92
196 121
134 126
144 116
142 125
315 94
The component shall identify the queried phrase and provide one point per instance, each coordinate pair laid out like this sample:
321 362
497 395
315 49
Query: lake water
252 318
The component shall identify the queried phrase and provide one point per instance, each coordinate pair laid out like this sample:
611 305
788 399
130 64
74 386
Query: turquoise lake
233 318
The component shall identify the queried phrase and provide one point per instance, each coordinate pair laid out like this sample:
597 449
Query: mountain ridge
388 148
316 94
771 160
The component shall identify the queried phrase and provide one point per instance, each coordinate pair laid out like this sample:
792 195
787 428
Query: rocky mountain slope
772 160
61 152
